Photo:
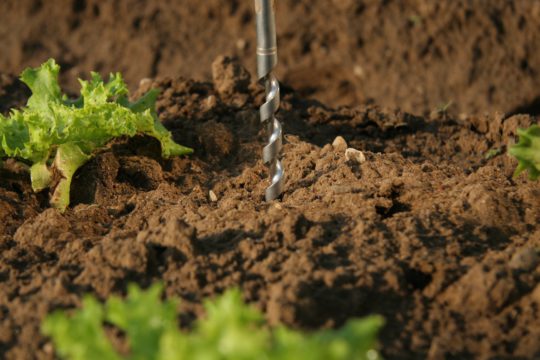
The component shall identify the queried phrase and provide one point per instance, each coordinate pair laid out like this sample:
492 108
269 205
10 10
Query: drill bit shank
266 62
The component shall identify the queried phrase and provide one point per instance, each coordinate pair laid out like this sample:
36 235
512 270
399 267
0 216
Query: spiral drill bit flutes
266 62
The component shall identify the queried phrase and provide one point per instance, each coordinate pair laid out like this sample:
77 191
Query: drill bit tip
266 62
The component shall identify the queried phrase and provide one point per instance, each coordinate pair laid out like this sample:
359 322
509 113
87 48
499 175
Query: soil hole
397 207
417 279
532 108
137 179
36 7
301 227
142 173
79 6
18 189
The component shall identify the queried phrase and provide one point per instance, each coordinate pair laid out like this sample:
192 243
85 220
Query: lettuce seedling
57 135
527 151
230 330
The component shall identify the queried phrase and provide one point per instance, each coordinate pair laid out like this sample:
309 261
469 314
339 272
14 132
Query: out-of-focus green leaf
527 152
230 330
144 318
80 336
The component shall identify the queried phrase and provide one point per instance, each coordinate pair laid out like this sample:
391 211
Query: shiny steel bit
266 62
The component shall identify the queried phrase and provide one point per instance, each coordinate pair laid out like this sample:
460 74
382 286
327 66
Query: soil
428 228
417 55
424 229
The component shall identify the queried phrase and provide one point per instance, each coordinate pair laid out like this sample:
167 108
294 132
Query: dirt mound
423 229
417 55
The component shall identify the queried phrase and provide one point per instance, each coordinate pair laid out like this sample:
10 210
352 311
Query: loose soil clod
426 232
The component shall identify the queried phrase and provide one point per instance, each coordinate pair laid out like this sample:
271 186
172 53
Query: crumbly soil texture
418 55
426 226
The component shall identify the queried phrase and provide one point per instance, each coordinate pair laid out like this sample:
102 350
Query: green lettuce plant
230 330
56 135
527 151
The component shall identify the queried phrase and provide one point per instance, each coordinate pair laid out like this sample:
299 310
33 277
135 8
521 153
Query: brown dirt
427 231
417 55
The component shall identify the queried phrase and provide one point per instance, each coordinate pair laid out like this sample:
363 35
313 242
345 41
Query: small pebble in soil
355 155
525 259
358 71
48 348
212 195
145 82
210 103
241 44
339 144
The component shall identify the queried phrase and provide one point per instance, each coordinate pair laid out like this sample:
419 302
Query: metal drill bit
266 62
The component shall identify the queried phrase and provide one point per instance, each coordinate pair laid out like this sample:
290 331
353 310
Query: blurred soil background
417 55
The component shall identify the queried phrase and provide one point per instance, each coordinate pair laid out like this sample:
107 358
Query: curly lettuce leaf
230 330
527 152
80 336
43 82
144 318
355 340
54 131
